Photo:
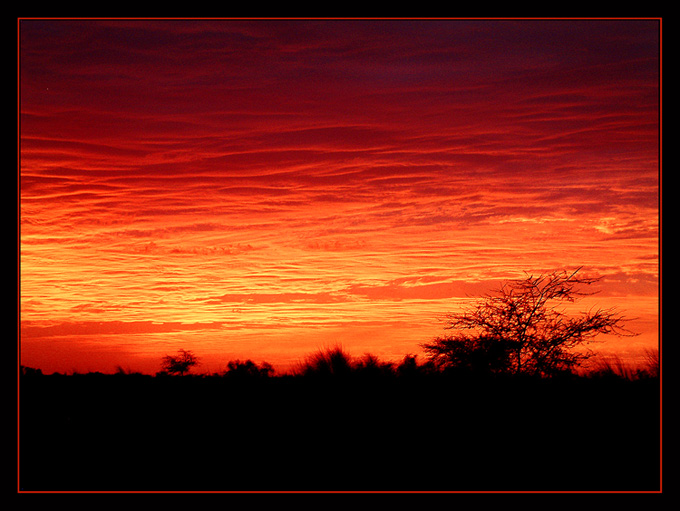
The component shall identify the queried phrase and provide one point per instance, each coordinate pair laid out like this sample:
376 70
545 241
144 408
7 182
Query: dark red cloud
170 168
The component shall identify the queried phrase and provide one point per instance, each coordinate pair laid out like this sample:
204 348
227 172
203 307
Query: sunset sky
264 188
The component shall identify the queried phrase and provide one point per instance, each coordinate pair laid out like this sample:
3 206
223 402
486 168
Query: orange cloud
363 171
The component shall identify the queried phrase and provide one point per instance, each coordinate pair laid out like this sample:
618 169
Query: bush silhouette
474 355
370 366
248 369
327 362
409 367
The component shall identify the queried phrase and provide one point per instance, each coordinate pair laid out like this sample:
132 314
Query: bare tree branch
525 323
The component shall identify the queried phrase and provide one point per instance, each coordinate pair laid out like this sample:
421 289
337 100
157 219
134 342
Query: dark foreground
134 432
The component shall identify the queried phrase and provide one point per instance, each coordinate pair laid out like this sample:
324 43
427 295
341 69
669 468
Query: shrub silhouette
327 362
652 365
371 366
475 355
522 330
409 367
336 362
30 371
614 367
248 369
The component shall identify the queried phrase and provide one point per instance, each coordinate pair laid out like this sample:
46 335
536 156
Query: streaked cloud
174 170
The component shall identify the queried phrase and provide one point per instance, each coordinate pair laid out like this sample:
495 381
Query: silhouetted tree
523 328
179 364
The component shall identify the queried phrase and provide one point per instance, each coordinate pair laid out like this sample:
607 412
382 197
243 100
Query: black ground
135 432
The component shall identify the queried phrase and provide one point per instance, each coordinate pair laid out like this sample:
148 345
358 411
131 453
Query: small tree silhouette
179 364
523 328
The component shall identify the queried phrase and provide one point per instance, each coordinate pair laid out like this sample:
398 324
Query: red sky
262 188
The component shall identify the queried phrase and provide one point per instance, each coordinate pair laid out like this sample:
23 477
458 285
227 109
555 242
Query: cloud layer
325 170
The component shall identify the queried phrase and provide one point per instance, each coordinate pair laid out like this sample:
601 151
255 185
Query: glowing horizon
262 188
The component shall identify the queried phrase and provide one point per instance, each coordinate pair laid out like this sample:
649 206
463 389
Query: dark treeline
338 423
